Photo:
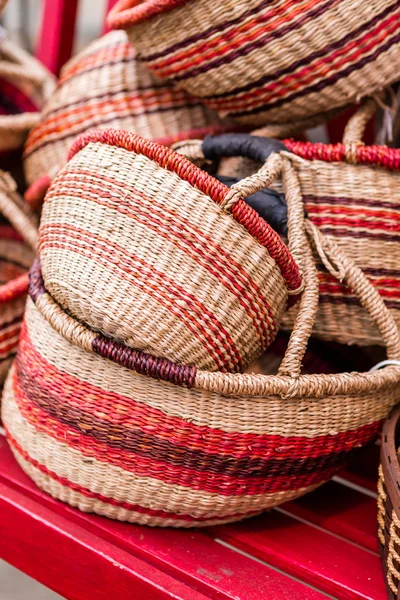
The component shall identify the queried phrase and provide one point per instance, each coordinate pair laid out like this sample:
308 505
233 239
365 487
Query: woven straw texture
267 62
389 504
16 254
24 86
134 242
352 193
105 86
114 431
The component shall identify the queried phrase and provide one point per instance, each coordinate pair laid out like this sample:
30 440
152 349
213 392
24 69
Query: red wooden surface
57 33
56 545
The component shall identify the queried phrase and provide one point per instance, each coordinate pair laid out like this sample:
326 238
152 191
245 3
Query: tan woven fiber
106 86
27 75
104 428
154 256
17 246
358 205
267 62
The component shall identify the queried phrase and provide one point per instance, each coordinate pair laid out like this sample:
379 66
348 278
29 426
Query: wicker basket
267 62
16 255
114 431
141 244
389 503
106 86
24 86
352 193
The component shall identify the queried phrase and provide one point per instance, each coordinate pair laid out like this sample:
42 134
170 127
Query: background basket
352 193
16 254
266 62
141 244
24 85
165 444
106 86
389 503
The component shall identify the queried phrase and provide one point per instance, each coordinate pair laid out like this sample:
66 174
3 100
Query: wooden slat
57 33
340 510
329 563
190 557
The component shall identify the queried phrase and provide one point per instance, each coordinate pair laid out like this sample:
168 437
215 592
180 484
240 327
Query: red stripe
203 249
112 501
362 223
362 212
153 283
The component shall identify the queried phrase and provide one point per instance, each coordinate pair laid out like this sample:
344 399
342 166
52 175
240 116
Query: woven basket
24 85
267 62
389 503
142 245
114 431
352 193
106 86
16 255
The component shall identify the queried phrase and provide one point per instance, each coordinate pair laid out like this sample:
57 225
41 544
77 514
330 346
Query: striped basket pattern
112 430
24 85
136 241
106 86
264 61
352 193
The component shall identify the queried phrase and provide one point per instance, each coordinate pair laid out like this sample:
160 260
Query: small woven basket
106 86
142 245
24 85
267 62
389 504
352 193
114 431
18 239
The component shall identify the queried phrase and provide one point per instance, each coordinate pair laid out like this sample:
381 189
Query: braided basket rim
81 335
126 13
168 159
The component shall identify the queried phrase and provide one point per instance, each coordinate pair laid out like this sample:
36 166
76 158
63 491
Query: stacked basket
157 286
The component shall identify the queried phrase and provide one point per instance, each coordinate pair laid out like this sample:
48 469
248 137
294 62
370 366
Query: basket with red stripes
101 421
106 86
267 61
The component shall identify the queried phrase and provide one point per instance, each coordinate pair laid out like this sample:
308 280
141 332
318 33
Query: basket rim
126 13
227 384
375 155
389 458
168 159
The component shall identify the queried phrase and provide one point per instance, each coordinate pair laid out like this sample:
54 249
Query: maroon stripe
352 300
14 321
381 272
140 443
277 34
204 35
338 200
325 82
360 234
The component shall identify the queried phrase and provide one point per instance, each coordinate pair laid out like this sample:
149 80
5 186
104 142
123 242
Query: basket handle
343 268
10 208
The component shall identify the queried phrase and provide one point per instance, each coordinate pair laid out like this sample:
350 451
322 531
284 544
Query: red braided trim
129 12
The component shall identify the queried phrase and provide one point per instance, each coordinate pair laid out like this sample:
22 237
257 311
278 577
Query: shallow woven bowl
267 62
106 86
134 242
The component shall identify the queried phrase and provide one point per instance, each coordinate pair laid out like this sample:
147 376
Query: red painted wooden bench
321 546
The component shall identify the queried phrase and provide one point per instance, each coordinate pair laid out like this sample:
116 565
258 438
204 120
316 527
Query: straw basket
16 255
24 85
389 503
352 193
143 246
111 430
267 62
106 86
